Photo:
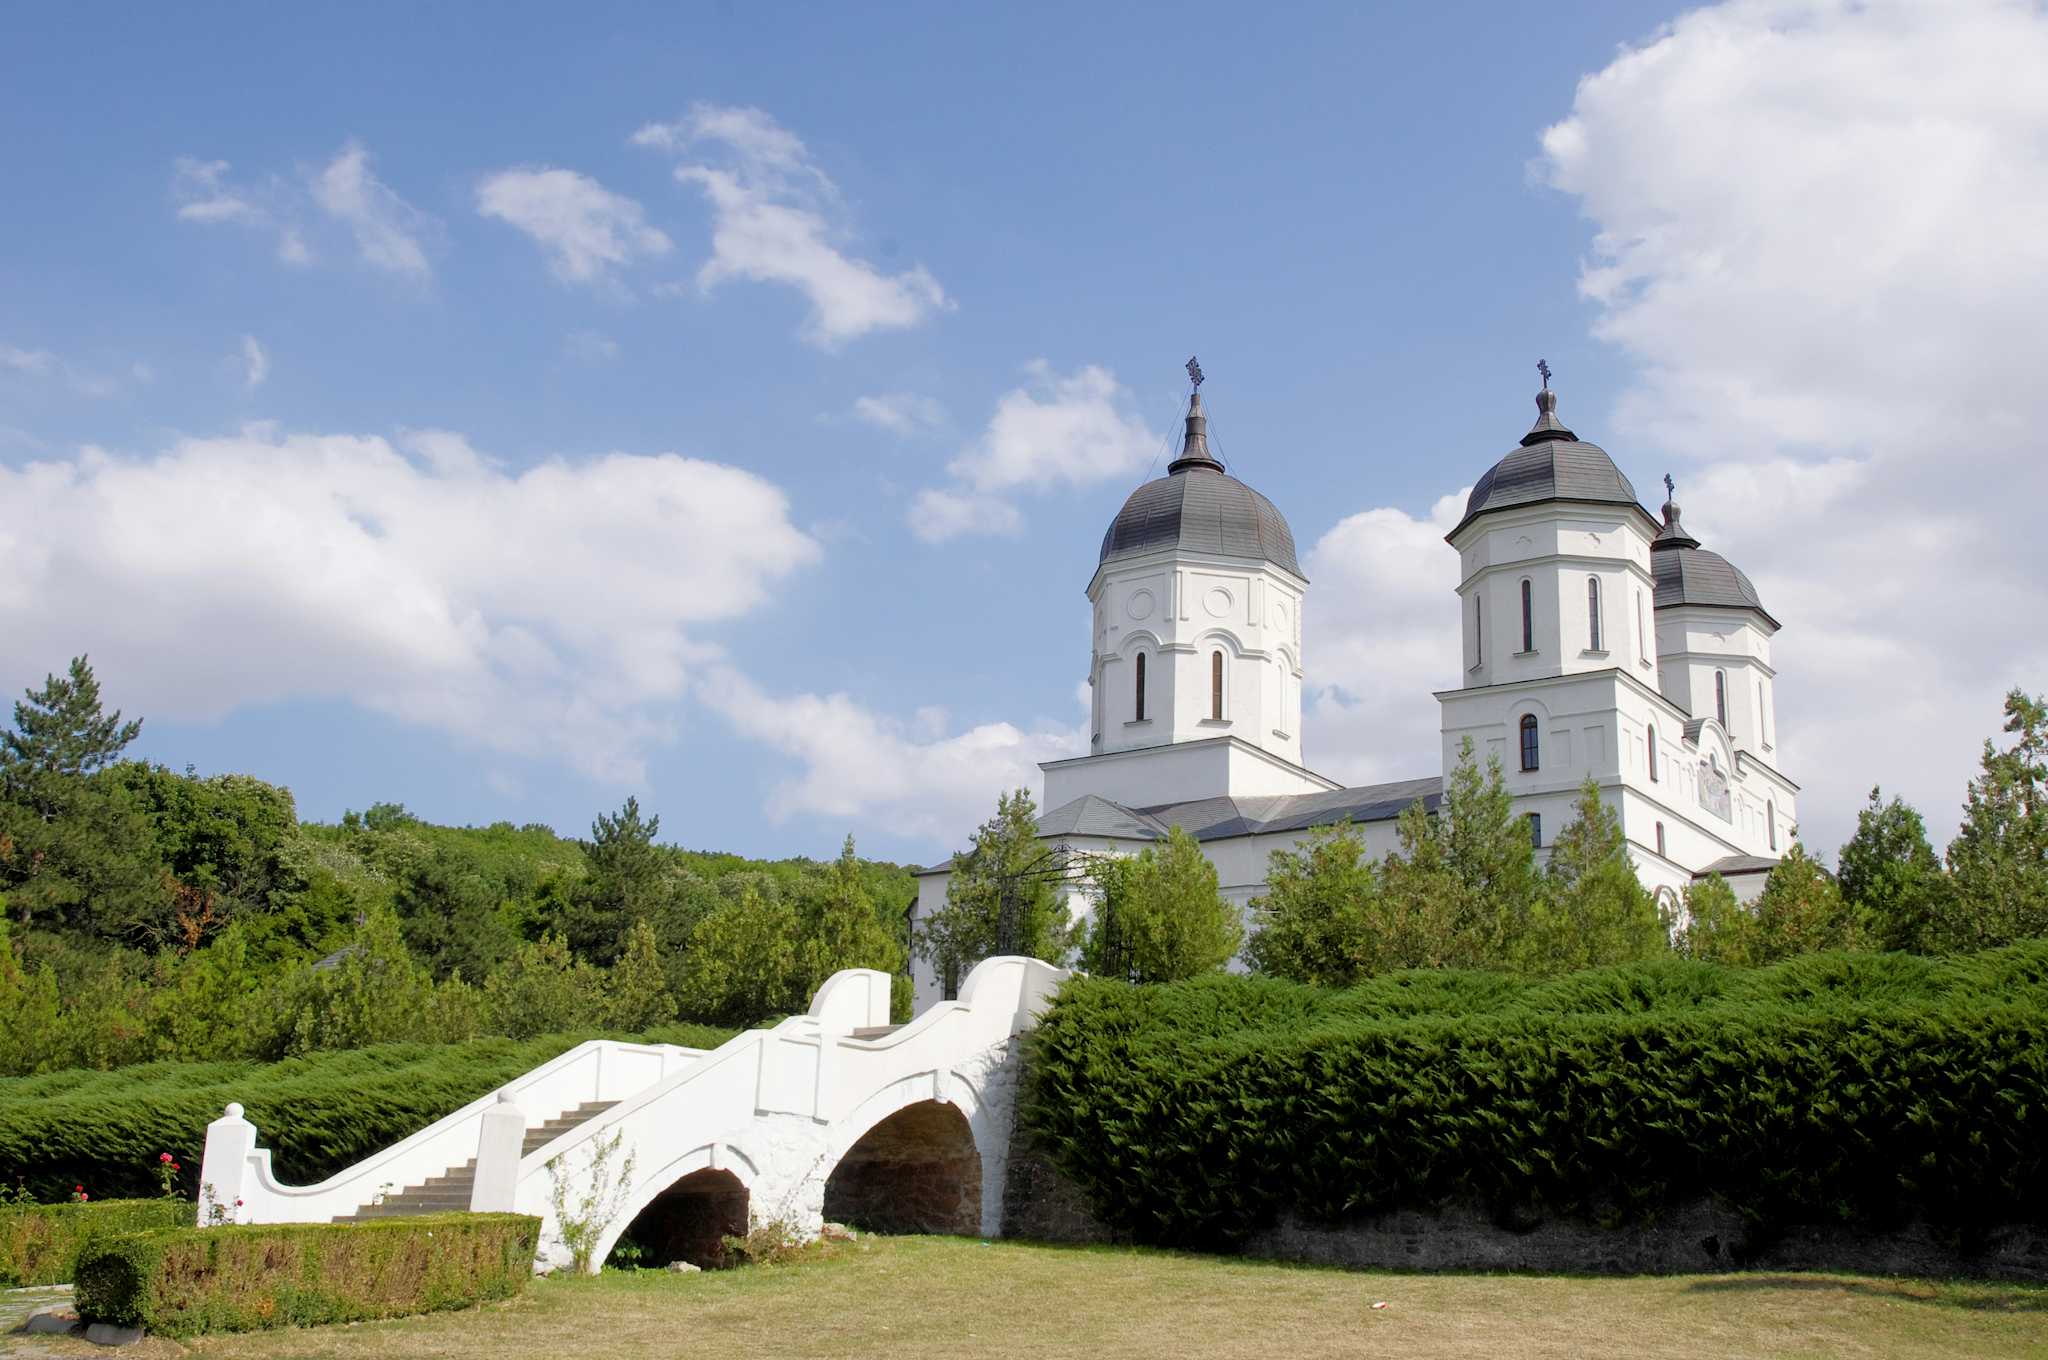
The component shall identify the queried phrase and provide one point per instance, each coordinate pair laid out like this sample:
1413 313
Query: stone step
450 1190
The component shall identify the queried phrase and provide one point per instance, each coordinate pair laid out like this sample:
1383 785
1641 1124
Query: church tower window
1771 820
1216 686
1593 613
1529 743
1660 838
1651 745
1478 634
1141 687
1528 618
1642 641
1535 820
1721 697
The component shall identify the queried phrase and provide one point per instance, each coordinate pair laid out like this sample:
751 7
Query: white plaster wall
1178 611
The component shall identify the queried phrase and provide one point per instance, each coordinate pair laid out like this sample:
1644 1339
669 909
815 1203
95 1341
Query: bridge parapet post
500 1137
225 1177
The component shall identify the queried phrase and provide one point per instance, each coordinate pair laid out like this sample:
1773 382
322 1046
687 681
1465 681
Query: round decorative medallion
1139 606
1279 616
1217 602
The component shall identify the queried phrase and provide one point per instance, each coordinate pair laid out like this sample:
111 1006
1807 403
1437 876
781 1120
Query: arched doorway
915 1172
689 1221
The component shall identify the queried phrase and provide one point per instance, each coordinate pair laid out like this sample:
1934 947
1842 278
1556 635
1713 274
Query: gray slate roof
1551 464
1737 864
1210 819
1702 577
1203 510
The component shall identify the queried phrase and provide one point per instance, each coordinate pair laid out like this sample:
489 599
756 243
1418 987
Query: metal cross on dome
1194 371
1670 489
1543 367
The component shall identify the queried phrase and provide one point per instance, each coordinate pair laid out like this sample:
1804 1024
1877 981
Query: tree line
1464 889
151 914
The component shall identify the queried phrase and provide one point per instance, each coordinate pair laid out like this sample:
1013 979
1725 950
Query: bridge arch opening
917 1171
689 1221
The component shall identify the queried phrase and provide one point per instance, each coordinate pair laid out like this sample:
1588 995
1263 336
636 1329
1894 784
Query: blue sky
232 228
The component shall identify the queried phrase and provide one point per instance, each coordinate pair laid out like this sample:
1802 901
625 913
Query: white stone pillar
224 1179
498 1145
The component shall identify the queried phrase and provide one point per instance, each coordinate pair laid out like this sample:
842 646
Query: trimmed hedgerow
40 1243
317 1114
184 1281
1834 1089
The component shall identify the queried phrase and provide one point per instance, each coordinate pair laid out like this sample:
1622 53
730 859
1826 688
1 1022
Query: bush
184 1281
1855 1089
40 1243
317 1114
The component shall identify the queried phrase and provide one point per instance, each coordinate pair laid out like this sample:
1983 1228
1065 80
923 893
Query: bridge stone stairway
449 1192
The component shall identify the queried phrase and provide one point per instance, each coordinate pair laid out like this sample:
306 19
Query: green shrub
317 1114
184 1281
1859 1089
40 1243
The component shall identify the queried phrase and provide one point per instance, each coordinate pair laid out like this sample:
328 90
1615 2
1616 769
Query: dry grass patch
913 1296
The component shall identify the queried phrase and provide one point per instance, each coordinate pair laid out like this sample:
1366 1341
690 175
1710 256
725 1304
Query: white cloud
34 362
588 231
399 576
255 363
387 230
775 215
590 347
1072 430
937 515
910 778
1818 233
1384 638
900 412
203 194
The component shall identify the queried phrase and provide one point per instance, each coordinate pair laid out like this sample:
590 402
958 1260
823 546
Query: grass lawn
927 1295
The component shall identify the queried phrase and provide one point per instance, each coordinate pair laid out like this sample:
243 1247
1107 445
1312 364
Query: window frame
1593 631
1138 711
1216 670
1650 748
1721 698
1528 616
1531 743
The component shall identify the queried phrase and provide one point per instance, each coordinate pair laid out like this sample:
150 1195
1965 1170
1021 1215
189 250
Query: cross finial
1543 367
1670 488
1194 371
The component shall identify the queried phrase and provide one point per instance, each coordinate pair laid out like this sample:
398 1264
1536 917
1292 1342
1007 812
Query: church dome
1198 507
1550 464
1686 573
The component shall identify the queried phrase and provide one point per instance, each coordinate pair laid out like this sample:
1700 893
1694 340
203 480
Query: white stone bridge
831 1115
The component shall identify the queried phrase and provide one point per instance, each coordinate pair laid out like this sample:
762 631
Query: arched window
1651 744
1478 634
1763 723
1216 686
1593 613
1529 751
1642 641
1660 838
1721 697
1535 820
1528 619
1141 687
1771 820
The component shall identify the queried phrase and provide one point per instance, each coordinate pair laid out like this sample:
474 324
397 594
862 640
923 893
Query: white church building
1598 640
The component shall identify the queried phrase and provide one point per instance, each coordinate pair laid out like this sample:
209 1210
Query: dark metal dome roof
1200 508
1686 573
1551 464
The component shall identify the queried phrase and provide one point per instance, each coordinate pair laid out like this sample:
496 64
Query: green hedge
184 1281
40 1243
1863 1089
317 1114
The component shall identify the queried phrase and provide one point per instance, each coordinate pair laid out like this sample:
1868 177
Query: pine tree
1459 891
841 928
1593 910
1998 860
1715 929
1319 916
1890 874
1159 916
60 729
1005 896
1802 912
628 882
636 994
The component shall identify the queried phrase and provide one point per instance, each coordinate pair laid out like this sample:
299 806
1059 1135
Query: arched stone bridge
831 1115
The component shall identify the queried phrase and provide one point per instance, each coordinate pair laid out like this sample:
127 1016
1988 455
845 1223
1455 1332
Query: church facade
1597 640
